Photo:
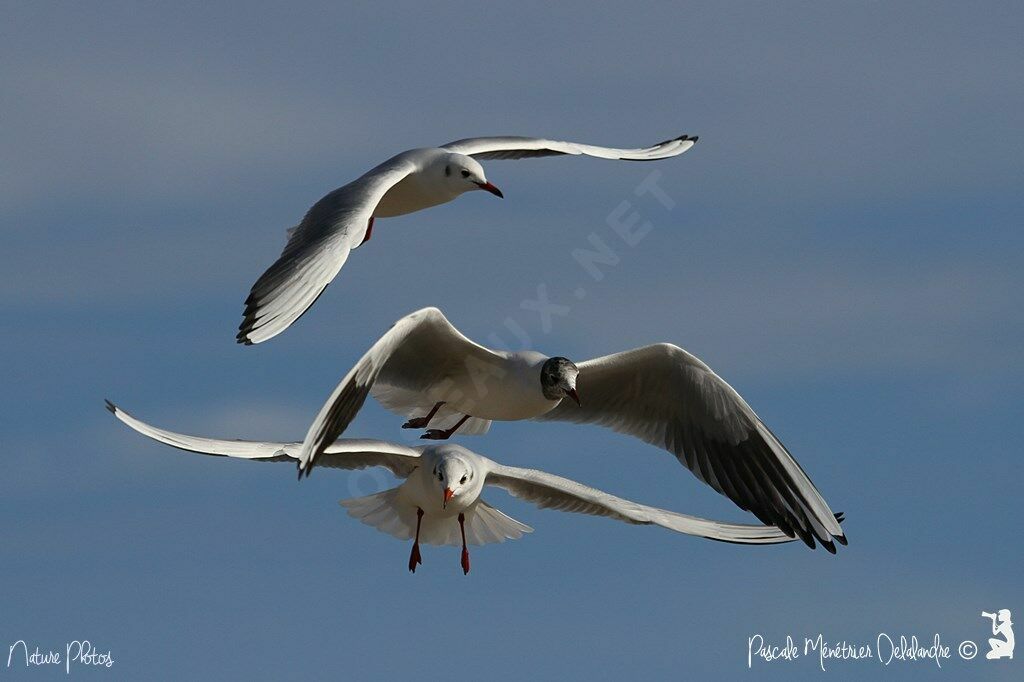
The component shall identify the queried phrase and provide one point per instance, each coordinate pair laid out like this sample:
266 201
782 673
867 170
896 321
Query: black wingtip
841 539
244 329
111 407
248 323
828 545
681 138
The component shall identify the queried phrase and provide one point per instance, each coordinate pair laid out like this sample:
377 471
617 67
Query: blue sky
845 249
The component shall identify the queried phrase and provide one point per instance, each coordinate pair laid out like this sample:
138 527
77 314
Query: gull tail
389 514
383 512
485 524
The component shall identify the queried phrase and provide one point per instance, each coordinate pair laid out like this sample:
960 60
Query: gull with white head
439 503
318 246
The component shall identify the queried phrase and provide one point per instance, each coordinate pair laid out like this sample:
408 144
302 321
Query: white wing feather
548 491
344 454
316 249
420 349
512 147
669 398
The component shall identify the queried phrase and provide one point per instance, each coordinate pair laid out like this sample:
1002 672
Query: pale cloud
87 132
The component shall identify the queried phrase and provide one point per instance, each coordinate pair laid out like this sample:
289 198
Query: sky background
845 249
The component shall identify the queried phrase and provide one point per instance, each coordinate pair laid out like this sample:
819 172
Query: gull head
464 174
558 379
454 477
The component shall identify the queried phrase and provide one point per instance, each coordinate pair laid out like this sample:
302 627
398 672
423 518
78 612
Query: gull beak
491 188
448 495
575 396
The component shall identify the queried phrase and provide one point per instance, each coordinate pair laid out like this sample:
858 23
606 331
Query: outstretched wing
420 350
530 147
669 398
548 491
344 454
315 252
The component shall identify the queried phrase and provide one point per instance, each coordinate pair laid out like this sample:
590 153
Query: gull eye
465 173
462 480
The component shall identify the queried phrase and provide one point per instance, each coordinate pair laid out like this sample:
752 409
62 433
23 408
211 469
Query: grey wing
669 398
419 350
548 491
529 147
315 252
344 454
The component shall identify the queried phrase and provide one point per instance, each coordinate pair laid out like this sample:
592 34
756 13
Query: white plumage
445 483
318 246
660 394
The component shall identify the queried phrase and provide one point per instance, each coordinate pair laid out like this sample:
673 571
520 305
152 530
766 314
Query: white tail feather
484 523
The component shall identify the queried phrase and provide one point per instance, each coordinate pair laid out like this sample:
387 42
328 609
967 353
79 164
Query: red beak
575 396
448 495
491 188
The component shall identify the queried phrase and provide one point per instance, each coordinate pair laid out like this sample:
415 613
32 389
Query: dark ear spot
448 170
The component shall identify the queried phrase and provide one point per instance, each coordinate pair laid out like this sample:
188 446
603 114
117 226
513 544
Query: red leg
415 558
420 422
465 552
369 231
444 434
